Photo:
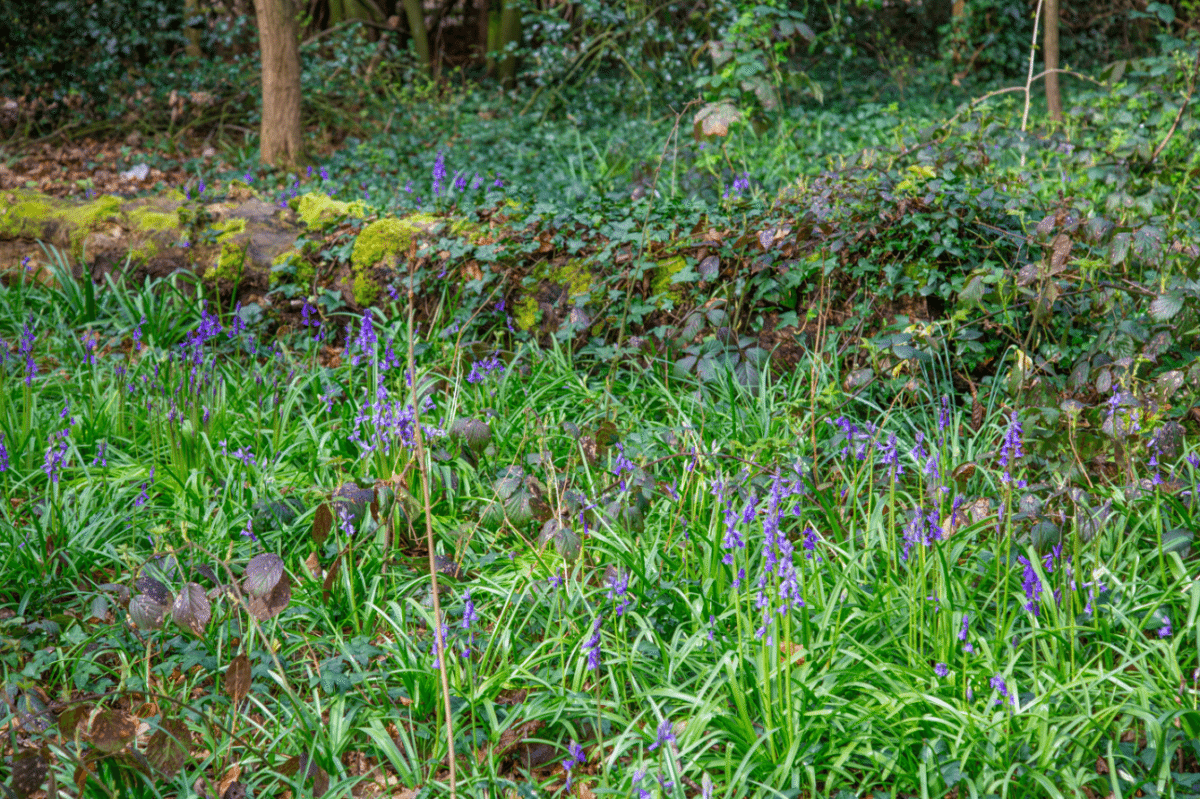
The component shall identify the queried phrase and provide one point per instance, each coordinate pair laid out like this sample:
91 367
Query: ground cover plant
814 417
652 583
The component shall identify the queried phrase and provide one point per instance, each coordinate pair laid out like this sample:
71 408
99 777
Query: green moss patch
319 210
378 249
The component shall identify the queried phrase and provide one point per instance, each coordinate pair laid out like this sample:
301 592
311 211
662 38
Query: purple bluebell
618 591
621 465
638 776
482 368
498 183
575 757
1032 585
592 645
3 454
460 182
941 669
25 349
889 457
998 684
663 736
101 453
56 454
248 532
439 173
1165 631
144 496
964 633
1012 449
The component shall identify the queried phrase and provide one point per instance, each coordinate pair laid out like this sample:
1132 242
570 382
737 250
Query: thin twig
423 469
1186 100
1037 16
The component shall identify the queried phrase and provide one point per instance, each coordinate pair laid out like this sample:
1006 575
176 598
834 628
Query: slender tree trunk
1050 55
191 8
481 8
415 11
510 32
282 141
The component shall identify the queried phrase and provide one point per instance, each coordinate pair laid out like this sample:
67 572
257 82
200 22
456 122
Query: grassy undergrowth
212 544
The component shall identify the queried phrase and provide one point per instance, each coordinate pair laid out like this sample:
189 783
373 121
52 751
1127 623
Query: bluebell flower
439 173
941 669
998 684
1012 449
592 645
664 735
575 757
618 591
1165 631
1032 585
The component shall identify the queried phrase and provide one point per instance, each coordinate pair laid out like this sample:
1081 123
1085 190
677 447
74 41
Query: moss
379 242
365 289
26 217
145 218
302 270
575 276
663 275
319 210
527 314
471 231
232 259
36 216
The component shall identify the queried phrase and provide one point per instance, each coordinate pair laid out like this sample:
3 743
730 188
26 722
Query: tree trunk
415 11
510 32
191 9
481 8
1050 55
282 141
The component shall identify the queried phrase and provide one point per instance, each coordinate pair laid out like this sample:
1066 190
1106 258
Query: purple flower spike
592 645
664 735
439 173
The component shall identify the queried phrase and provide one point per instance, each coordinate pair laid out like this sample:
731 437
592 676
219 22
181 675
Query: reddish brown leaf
169 747
237 678
112 730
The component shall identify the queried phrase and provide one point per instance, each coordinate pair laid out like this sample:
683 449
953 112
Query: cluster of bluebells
591 647
470 617
59 445
3 454
741 183
1011 450
618 590
1001 687
482 368
664 735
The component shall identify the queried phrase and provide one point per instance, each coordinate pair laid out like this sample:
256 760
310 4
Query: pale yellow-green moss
145 218
35 216
575 275
382 241
320 210
664 273
232 258
527 314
